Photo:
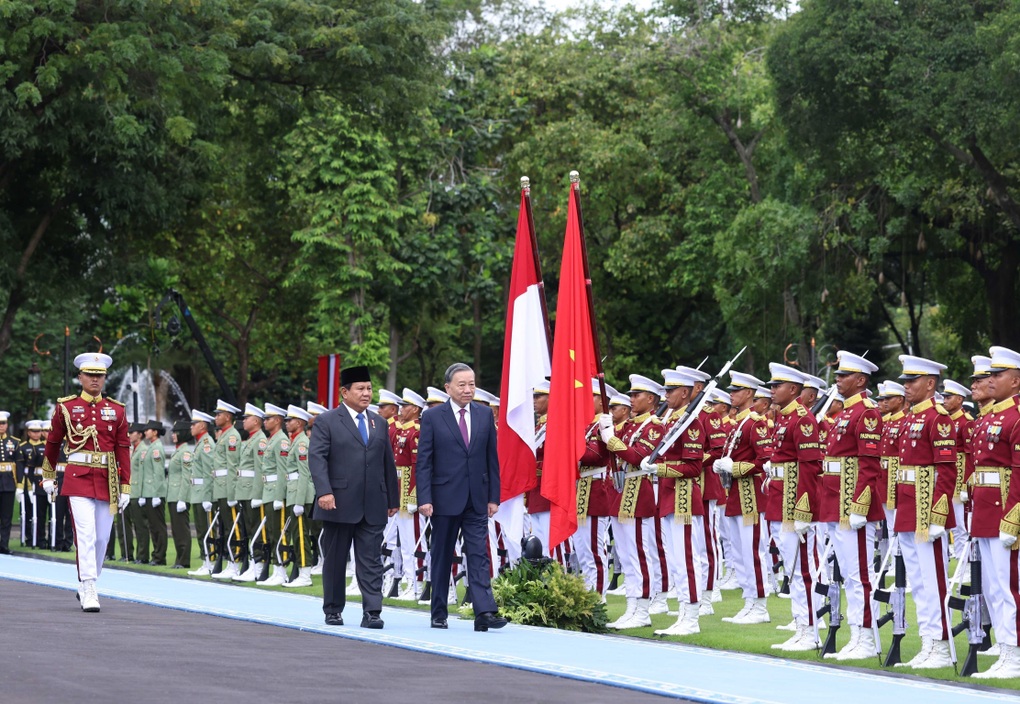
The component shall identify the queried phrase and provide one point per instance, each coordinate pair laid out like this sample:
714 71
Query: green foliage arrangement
548 596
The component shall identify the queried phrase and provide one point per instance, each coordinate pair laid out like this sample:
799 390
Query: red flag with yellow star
571 408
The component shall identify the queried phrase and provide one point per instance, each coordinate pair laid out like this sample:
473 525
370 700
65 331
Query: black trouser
65 529
300 538
180 527
42 520
155 518
201 518
6 519
336 544
136 527
118 536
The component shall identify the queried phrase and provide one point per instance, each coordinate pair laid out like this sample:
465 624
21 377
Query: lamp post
34 384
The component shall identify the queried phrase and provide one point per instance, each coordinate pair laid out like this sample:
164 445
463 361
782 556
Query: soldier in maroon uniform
995 497
924 489
743 463
632 521
408 523
98 469
792 497
892 394
538 506
953 394
849 503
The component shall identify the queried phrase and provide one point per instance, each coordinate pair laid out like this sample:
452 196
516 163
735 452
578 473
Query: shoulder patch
186 457
207 448
113 400
65 399
801 411
155 453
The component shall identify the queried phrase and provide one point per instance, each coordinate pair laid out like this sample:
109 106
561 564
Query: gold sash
629 499
748 503
847 485
891 466
961 467
407 494
791 478
583 498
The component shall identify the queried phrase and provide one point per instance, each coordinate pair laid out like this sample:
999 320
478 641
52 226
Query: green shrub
547 596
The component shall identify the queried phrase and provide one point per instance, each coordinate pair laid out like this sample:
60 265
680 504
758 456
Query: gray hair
453 369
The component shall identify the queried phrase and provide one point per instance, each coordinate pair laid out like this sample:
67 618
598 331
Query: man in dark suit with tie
356 489
458 486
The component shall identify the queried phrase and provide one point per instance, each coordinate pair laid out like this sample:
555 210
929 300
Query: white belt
219 473
777 472
292 475
269 478
246 472
86 457
906 475
38 471
832 467
595 472
198 481
987 478
61 468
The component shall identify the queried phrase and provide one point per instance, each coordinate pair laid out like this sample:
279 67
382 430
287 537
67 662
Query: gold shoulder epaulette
941 409
868 403
65 399
113 400
417 425
968 416
801 411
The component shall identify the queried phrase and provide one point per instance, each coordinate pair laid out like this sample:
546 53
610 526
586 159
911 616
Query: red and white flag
525 366
329 380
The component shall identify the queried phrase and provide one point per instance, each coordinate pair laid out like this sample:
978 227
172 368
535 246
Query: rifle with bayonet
213 547
832 592
976 619
285 553
263 565
896 599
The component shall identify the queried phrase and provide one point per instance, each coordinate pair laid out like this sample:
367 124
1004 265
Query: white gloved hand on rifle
207 505
723 465
801 528
606 427
935 532
156 501
231 504
255 503
123 501
277 505
49 486
181 507
19 494
964 496
1007 540
298 509
141 501
857 522
648 466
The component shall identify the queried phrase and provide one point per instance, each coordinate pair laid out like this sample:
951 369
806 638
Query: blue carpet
660 668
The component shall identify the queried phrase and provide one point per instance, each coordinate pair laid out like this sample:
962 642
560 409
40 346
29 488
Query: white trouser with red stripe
662 556
960 533
1000 581
855 550
409 526
926 574
709 559
797 564
590 546
686 550
92 524
748 555
635 545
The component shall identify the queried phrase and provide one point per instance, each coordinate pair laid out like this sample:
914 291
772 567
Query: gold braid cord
407 494
1004 476
628 502
683 501
847 485
583 497
76 441
791 478
961 468
748 504
924 490
892 468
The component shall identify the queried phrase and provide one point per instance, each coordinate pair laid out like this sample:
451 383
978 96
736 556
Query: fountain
159 396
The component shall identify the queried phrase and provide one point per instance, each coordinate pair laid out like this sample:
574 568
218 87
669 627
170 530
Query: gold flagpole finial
575 177
525 183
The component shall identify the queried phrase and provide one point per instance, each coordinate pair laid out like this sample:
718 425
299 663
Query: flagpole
526 189
575 193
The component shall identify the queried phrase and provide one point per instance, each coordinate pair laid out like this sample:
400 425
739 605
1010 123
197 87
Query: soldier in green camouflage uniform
274 485
200 496
315 527
248 488
137 533
178 490
300 495
226 459
154 491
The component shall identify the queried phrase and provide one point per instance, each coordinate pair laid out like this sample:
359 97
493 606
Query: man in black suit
355 477
458 486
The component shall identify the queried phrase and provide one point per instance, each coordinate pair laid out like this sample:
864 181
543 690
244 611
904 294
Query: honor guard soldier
995 497
226 458
315 527
388 407
793 473
891 395
32 451
65 529
248 488
153 487
849 503
98 472
594 504
201 494
300 495
178 488
743 465
136 535
9 490
720 403
953 394
813 386
537 505
925 480
408 523
274 488
633 523
436 397
680 506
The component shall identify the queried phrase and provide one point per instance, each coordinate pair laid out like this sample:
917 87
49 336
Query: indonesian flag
525 366
570 399
329 380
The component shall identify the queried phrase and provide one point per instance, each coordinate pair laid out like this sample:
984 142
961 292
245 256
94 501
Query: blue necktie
362 427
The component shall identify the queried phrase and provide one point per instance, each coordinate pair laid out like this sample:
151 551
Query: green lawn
714 632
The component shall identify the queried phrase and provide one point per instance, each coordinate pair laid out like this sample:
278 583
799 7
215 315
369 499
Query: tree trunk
1001 292
16 297
478 339
391 375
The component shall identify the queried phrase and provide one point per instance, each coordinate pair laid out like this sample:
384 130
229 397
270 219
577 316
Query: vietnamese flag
571 408
525 366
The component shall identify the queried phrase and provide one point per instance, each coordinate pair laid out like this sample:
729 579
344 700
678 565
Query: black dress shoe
334 620
178 566
439 623
5 551
157 563
371 621
136 562
484 622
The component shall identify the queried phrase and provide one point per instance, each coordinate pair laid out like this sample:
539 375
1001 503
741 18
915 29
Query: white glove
255 503
49 486
1007 540
181 507
964 496
648 466
156 501
606 427
723 465
857 522
411 508
231 504
299 510
768 468
19 494
801 528
124 500
207 505
141 501
277 505
935 532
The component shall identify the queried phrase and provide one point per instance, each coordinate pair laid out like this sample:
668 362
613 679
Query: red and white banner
329 380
